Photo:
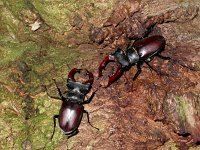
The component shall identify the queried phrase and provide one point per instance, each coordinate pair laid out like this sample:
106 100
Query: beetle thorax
77 91
121 58
133 56
75 96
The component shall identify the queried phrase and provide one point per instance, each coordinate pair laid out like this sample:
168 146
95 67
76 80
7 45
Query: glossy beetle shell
70 116
148 47
140 52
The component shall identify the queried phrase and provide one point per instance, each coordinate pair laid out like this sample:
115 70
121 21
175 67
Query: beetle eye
83 91
85 88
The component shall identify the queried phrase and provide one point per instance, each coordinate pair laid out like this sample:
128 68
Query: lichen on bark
42 40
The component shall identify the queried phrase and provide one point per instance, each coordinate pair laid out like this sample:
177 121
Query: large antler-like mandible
115 76
91 78
74 71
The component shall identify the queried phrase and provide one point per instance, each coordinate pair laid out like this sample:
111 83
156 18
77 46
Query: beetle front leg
89 99
59 91
89 119
139 70
54 97
54 126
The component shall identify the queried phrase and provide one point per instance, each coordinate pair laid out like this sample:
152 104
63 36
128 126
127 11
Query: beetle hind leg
54 125
156 70
75 132
139 70
151 68
89 120
163 57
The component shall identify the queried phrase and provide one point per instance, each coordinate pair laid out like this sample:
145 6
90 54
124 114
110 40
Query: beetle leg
139 70
89 99
151 67
157 71
89 119
73 133
103 64
55 97
163 57
59 91
54 126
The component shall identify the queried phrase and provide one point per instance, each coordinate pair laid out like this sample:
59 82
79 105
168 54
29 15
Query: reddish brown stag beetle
72 109
142 51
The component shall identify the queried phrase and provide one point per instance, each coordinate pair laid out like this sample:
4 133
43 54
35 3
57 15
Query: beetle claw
75 70
91 78
103 64
114 77
72 73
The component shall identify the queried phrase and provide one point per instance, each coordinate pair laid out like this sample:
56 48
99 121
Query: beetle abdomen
149 46
70 116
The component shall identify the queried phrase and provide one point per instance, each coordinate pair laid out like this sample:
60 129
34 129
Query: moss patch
185 111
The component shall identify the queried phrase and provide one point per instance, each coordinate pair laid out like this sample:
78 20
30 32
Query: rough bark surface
157 111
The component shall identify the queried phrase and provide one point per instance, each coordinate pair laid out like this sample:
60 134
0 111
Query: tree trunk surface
44 40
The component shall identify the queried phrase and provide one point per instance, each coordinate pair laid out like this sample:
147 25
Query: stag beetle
140 52
72 109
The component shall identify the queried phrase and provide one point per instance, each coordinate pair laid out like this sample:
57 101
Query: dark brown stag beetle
72 109
140 52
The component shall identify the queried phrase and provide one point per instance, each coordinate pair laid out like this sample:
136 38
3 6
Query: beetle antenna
69 67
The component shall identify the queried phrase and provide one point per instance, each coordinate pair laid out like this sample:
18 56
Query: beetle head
77 86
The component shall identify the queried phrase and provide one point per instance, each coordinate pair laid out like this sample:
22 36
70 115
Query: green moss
185 111
57 13
181 108
11 51
47 60
37 129
41 126
13 128
9 24
15 6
